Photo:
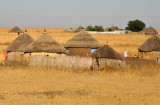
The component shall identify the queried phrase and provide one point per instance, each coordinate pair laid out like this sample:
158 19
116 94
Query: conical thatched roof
45 43
107 52
152 44
149 30
80 28
20 43
16 29
114 28
83 39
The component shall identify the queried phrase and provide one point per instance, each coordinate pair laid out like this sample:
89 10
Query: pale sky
73 13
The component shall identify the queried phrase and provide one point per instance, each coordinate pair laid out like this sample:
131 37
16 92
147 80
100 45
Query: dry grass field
135 85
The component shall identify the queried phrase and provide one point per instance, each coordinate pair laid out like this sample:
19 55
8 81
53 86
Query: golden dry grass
51 86
42 86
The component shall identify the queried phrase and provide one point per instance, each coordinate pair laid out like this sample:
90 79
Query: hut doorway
93 49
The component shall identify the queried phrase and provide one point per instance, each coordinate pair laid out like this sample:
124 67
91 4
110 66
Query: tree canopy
135 25
96 28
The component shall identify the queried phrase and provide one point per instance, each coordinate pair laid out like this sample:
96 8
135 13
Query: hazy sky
72 13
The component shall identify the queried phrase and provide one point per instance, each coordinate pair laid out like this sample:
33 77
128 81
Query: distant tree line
133 25
96 28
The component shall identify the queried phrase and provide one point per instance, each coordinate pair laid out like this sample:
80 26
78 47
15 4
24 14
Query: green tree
89 28
109 29
98 28
135 25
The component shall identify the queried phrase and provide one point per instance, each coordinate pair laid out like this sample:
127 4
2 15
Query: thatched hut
15 49
69 30
82 44
16 29
149 31
107 56
80 28
113 28
45 43
150 48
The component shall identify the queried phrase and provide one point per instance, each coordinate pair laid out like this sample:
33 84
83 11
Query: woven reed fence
73 62
17 58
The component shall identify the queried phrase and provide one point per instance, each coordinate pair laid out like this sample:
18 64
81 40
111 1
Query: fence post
158 60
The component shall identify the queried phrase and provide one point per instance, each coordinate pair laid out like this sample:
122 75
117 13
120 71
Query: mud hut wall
149 55
72 62
49 54
83 52
107 62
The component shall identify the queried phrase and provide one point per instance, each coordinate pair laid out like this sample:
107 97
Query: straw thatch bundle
149 30
15 29
80 28
107 56
45 43
20 43
82 40
71 62
152 44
